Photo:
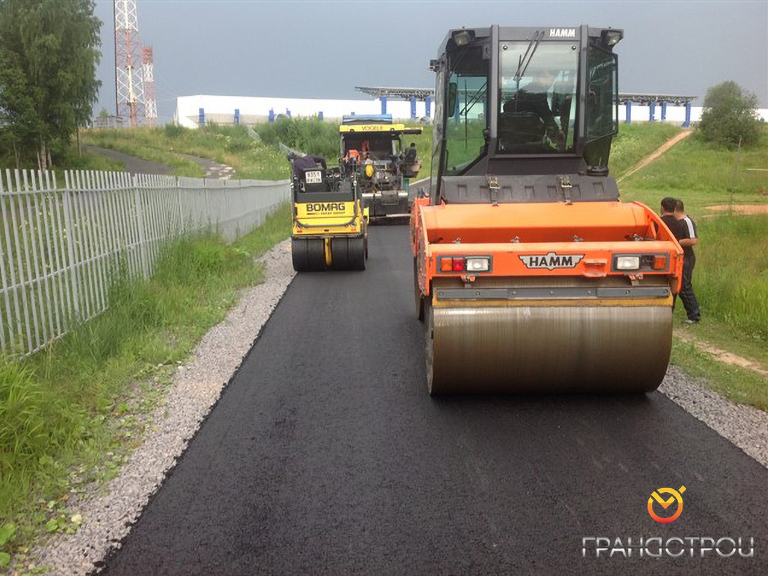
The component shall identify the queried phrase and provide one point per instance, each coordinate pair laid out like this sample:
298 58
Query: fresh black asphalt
326 455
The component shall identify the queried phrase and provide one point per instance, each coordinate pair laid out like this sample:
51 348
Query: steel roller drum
547 349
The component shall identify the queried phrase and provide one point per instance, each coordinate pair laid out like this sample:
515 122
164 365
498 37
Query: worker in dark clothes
689 239
668 207
306 162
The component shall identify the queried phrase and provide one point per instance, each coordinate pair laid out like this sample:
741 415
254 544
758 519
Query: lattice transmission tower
129 77
150 103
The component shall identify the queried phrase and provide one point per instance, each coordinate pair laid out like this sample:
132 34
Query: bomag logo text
562 32
551 260
326 207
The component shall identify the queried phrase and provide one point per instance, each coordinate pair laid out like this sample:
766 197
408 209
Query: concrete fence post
67 207
181 206
140 227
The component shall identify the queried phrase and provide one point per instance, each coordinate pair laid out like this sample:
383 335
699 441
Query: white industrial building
192 111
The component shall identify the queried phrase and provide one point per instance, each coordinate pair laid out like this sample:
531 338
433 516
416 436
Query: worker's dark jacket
674 226
308 162
688 230
682 229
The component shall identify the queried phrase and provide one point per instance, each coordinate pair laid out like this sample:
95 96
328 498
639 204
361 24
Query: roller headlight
627 262
478 264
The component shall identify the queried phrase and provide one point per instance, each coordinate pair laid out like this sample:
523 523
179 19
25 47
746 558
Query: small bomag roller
530 274
330 225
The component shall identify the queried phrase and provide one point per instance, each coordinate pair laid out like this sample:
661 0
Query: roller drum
308 254
348 253
546 349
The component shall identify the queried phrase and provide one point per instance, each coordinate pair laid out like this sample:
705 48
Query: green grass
306 135
700 174
88 161
731 274
737 384
68 414
635 142
229 145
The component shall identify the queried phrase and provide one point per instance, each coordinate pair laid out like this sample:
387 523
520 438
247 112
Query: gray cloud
324 49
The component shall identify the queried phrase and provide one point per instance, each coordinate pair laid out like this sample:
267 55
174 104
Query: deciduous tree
729 114
48 58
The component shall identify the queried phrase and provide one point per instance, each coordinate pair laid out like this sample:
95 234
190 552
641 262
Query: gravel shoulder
744 426
109 512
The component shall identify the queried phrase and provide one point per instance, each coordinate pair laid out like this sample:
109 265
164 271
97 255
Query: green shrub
174 130
729 115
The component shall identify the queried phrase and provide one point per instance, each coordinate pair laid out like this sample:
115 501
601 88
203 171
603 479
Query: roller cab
530 274
330 225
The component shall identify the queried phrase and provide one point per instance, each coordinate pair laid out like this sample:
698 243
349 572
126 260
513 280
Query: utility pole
129 81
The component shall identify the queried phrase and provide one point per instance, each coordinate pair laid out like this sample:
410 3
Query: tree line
48 86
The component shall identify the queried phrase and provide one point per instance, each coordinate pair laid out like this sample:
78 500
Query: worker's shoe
689 321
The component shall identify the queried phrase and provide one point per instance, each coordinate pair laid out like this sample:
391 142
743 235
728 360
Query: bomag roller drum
531 275
348 253
308 254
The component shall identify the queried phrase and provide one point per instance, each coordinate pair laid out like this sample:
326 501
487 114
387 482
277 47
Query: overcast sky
323 49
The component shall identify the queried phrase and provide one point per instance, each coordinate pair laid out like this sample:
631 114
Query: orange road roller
531 276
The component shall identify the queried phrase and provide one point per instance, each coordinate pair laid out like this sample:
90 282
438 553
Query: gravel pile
745 426
108 515
197 385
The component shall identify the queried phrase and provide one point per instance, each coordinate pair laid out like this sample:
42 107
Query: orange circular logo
666 503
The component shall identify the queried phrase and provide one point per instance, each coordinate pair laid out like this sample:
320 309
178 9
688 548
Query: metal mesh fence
62 247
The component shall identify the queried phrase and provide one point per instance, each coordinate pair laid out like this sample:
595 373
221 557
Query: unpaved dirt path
741 208
656 153
211 168
721 355
132 164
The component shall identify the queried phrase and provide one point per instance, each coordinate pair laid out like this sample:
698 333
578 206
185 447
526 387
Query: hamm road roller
330 225
530 274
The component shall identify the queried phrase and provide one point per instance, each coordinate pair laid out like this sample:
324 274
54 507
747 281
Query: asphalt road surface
326 455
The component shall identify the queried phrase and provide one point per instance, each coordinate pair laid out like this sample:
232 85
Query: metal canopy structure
645 99
423 93
404 93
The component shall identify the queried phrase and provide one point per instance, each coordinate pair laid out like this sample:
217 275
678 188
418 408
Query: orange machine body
585 236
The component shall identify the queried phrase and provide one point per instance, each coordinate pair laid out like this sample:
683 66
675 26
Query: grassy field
635 142
701 175
70 414
731 275
229 145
